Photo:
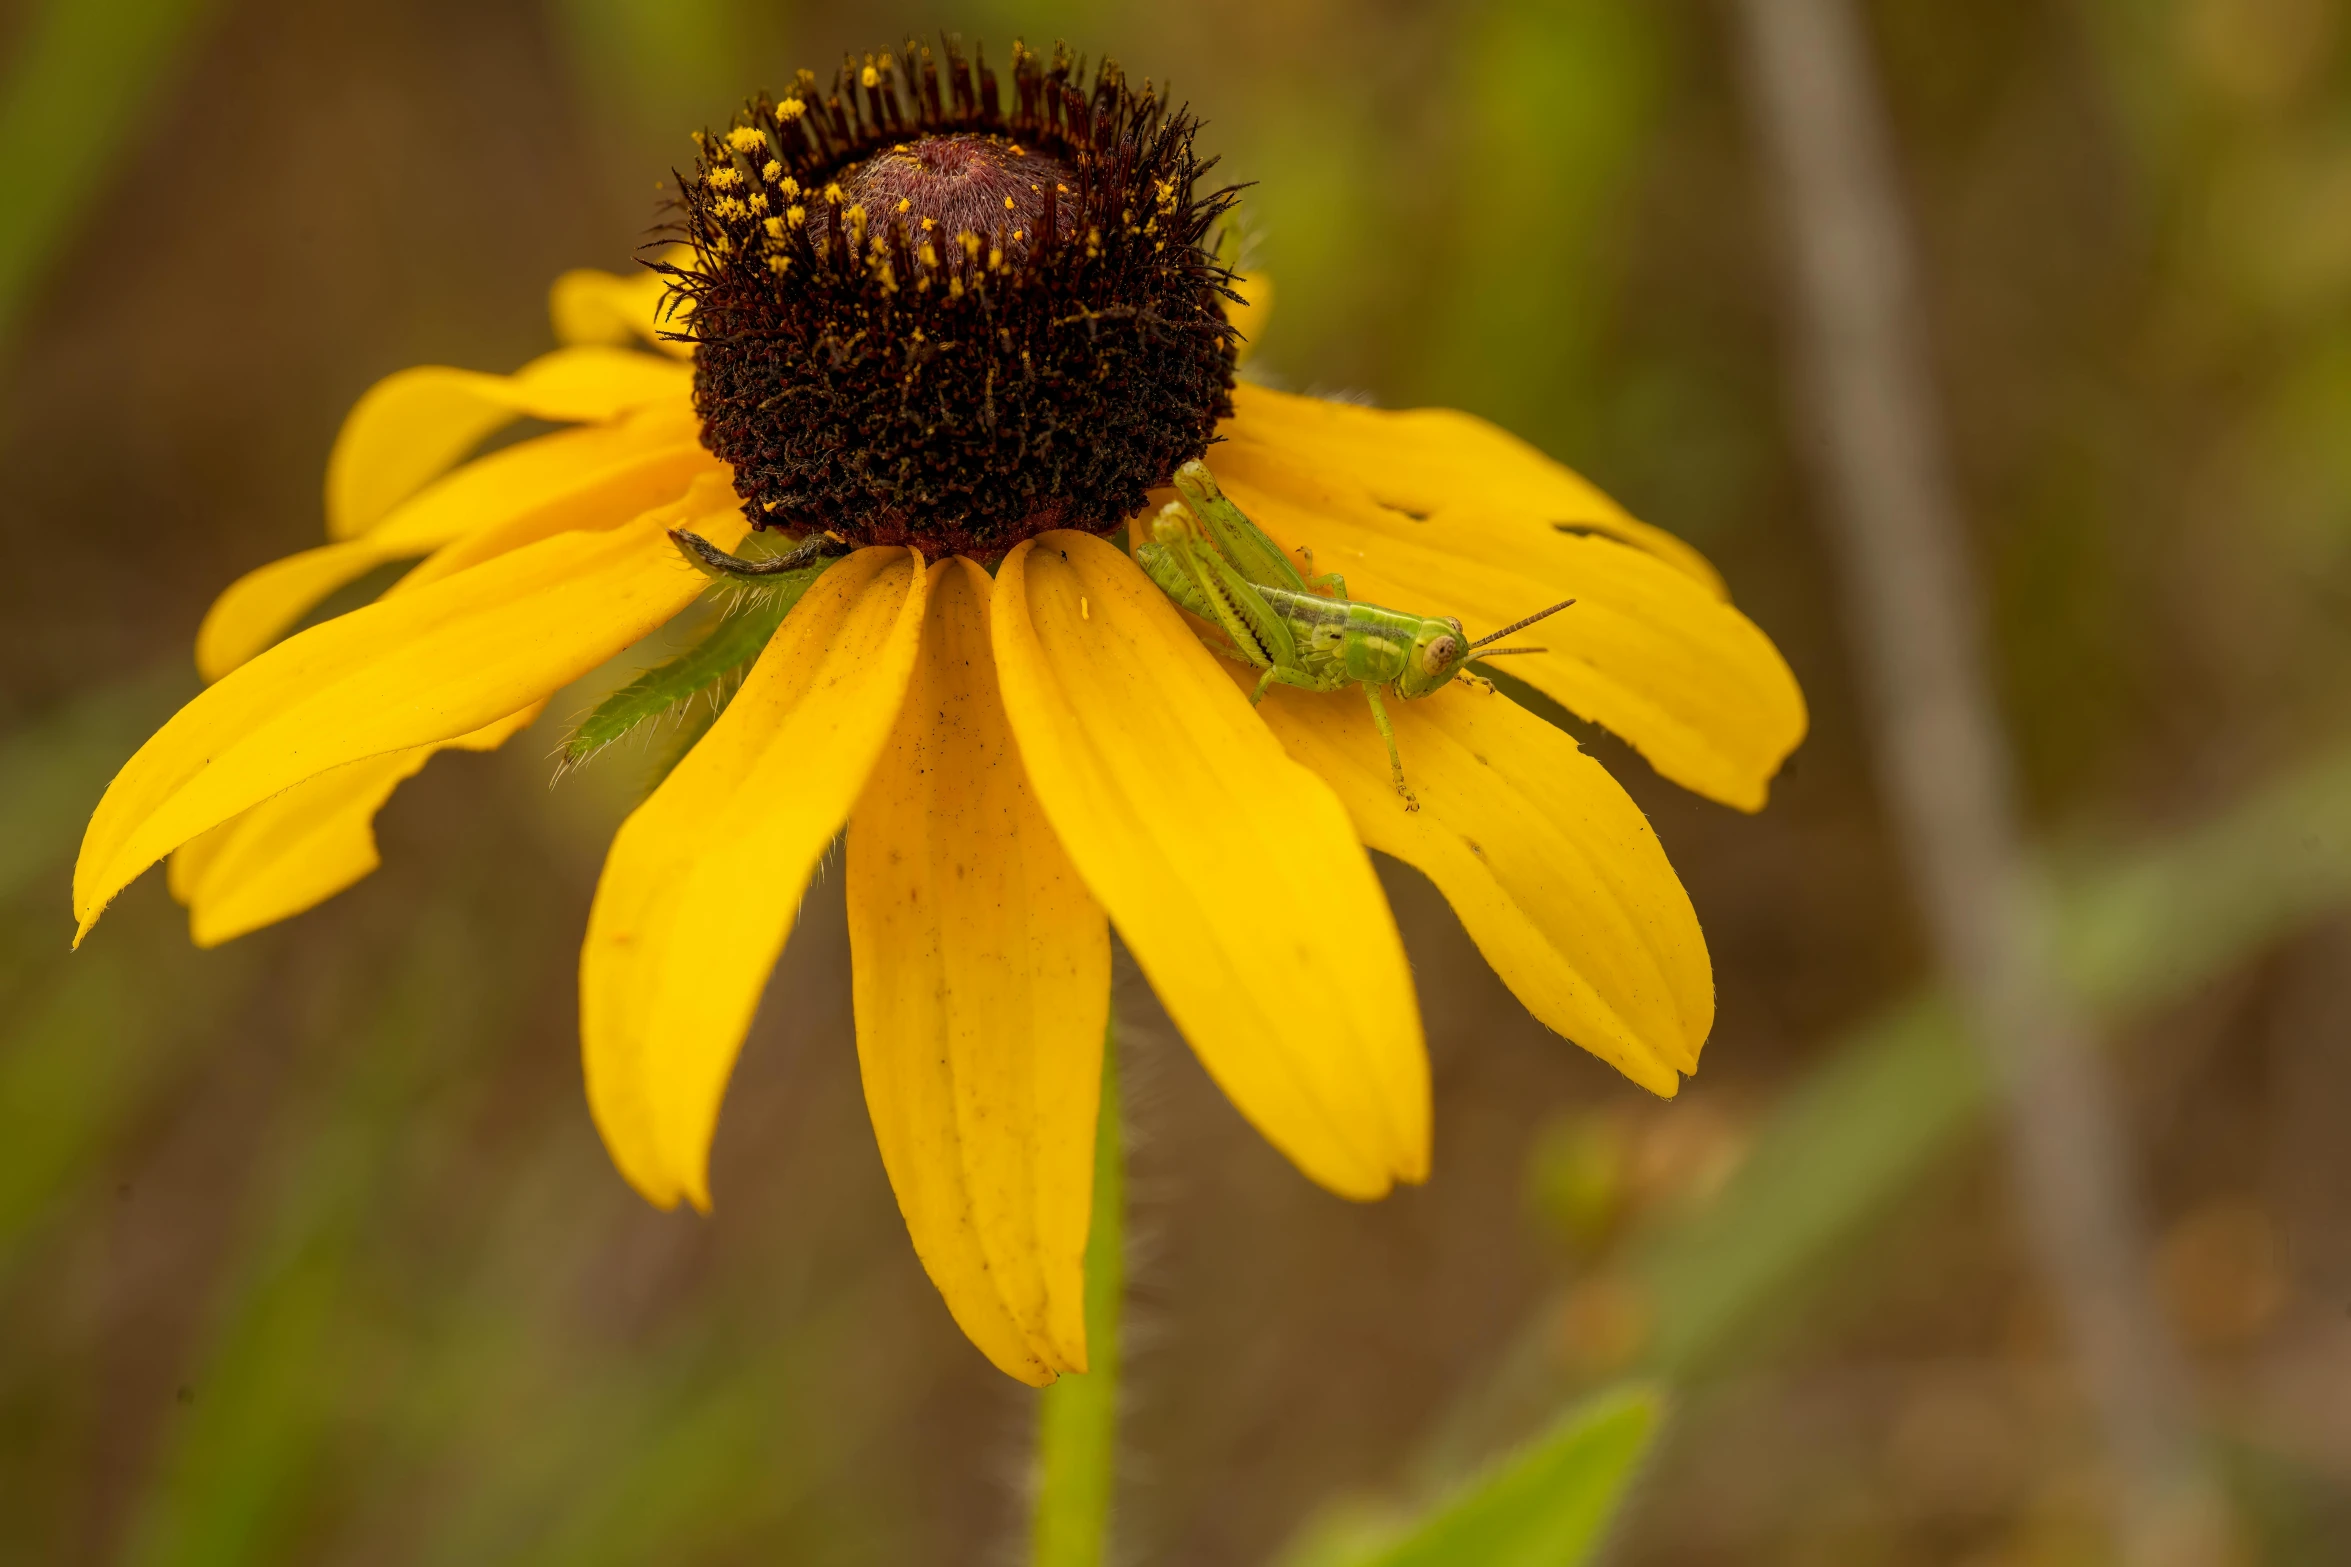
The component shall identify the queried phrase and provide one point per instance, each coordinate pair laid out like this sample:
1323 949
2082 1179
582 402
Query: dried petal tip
923 316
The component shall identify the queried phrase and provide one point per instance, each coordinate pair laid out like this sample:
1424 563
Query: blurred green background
308 1252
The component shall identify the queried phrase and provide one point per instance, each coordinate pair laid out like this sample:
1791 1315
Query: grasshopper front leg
1379 716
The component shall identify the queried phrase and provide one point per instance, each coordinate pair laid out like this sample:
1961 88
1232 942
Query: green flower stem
1077 1420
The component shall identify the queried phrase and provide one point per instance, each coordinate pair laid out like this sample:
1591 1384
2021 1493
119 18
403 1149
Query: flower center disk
953 185
923 316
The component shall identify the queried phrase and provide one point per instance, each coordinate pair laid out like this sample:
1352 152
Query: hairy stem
1077 1418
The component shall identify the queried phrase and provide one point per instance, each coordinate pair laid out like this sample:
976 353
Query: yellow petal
575 479
704 878
412 669
1554 871
255 610
680 479
600 307
1646 651
1232 872
295 850
982 973
412 426
1440 462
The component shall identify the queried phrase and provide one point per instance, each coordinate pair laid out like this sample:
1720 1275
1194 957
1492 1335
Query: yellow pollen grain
1016 233
832 193
904 204
930 254
759 201
995 260
744 139
775 227
1019 151
869 78
795 215
790 109
929 224
773 172
724 177
788 187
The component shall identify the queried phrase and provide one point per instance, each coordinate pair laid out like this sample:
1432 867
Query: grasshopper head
1439 649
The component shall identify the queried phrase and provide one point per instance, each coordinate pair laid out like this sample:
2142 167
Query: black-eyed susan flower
943 346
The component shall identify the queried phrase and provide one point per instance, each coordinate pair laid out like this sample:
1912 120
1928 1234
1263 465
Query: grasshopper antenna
1518 625
1505 652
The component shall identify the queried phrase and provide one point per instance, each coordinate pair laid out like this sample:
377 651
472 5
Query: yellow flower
1023 758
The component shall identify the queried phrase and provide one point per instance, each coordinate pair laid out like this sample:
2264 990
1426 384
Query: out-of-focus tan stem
1944 760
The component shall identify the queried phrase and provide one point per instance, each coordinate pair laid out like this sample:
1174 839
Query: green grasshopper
1302 630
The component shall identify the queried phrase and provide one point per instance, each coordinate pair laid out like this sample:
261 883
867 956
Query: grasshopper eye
1438 653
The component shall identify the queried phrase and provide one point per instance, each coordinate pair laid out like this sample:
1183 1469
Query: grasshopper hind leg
1379 716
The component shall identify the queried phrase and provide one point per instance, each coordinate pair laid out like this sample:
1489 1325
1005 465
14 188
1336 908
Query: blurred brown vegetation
308 1252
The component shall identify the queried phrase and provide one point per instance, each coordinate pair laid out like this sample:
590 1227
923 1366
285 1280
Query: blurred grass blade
655 67
53 770
277 1378
62 1071
1848 1145
2147 929
1549 1504
81 83
101 1040
1561 97
86 1036
1840 1151
1077 1417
